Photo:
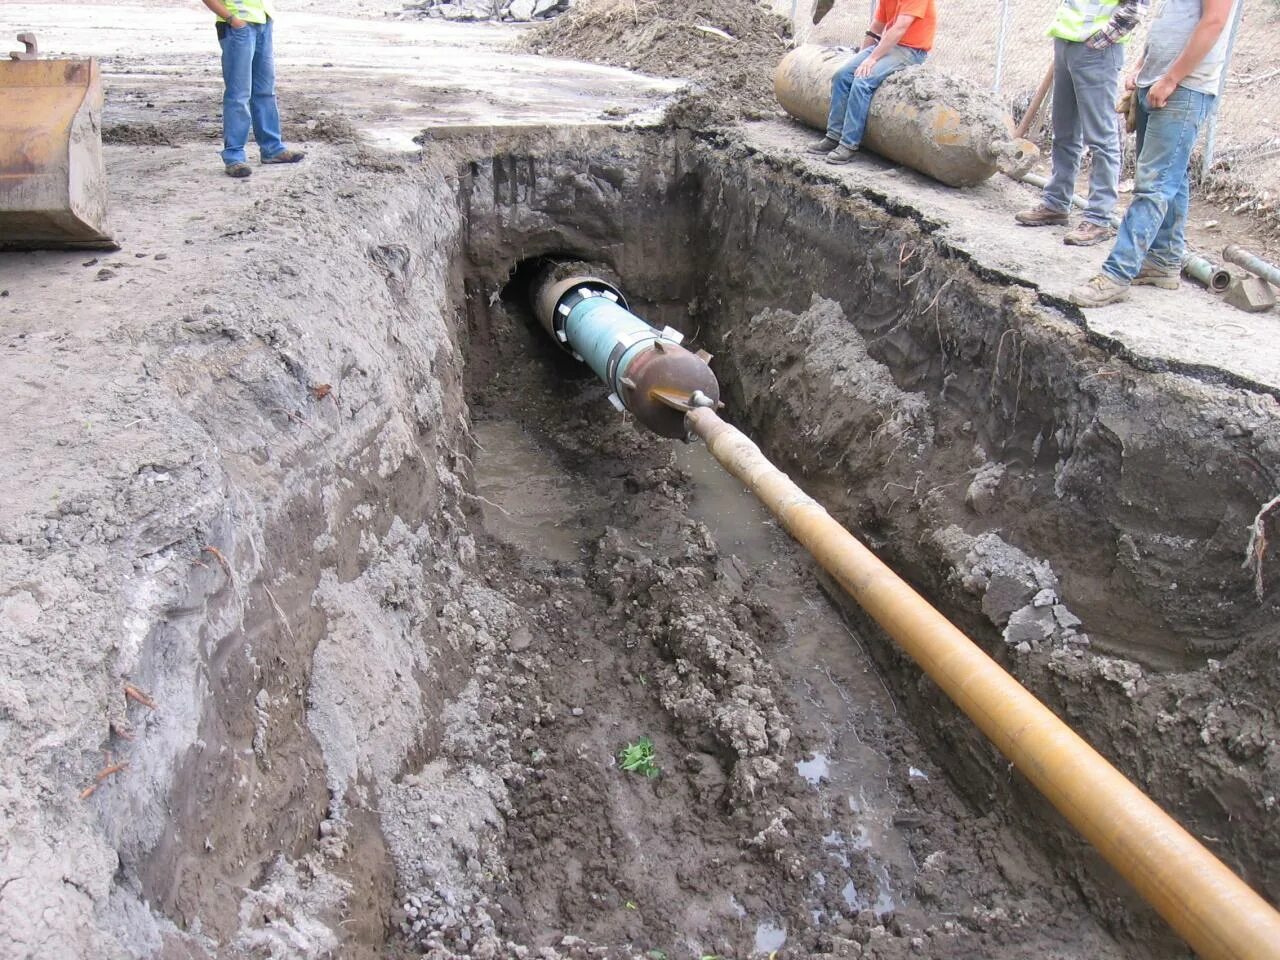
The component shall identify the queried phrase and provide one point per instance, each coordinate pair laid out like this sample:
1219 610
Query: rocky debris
470 11
981 493
294 912
1020 595
714 678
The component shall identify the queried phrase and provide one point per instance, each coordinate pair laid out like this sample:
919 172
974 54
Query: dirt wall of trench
261 526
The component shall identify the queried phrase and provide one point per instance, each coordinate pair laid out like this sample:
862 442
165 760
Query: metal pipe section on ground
1208 905
1211 275
1207 272
649 372
1254 264
919 118
1040 181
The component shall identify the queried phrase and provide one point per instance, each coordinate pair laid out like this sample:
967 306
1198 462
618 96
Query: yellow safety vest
1078 20
251 11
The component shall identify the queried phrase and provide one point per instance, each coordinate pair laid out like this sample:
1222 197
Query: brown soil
401 583
664 38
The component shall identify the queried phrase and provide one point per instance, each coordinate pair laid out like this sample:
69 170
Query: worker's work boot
238 170
1087 233
842 154
1099 291
285 156
825 145
1152 276
1041 216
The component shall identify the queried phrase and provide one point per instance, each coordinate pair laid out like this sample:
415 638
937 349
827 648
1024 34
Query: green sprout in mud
639 758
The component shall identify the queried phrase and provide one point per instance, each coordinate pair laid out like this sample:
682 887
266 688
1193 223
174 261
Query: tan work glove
1128 107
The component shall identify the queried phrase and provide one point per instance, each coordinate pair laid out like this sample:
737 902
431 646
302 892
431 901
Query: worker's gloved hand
1127 107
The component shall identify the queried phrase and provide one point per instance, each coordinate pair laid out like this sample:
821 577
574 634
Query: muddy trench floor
792 807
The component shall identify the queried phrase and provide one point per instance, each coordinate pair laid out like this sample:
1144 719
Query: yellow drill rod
1215 911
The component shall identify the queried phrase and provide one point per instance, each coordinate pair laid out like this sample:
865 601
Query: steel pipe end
550 291
1015 157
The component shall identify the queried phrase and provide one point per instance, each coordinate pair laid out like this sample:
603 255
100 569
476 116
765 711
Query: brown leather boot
1041 216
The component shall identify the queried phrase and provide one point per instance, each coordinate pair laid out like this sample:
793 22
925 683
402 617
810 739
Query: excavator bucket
53 188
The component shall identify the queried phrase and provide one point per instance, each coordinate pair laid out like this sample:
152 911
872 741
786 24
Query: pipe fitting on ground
1206 272
1254 264
648 371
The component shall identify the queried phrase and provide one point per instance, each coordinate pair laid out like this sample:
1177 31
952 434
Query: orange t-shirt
920 33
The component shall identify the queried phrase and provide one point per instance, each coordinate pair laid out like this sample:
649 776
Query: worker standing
249 79
1176 84
1089 38
901 34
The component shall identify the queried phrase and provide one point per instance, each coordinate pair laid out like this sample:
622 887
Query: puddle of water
836 688
815 770
528 499
739 523
850 894
770 936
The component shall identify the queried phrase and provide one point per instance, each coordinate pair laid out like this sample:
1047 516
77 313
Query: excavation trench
477 582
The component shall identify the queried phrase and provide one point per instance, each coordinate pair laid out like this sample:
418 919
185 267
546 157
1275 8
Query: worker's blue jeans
249 99
1154 227
851 96
1084 115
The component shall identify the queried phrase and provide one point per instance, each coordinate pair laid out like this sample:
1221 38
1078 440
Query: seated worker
906 41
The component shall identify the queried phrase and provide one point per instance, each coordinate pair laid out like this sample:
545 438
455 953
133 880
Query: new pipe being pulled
674 392
1219 915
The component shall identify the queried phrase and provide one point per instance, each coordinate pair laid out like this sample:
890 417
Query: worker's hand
235 23
1159 92
866 67
1131 82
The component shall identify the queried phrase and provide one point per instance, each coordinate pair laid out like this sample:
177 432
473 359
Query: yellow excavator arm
53 187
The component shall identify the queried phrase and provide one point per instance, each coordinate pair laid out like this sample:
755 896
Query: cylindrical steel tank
919 118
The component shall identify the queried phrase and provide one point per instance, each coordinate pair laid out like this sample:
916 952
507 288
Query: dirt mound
728 47
164 134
